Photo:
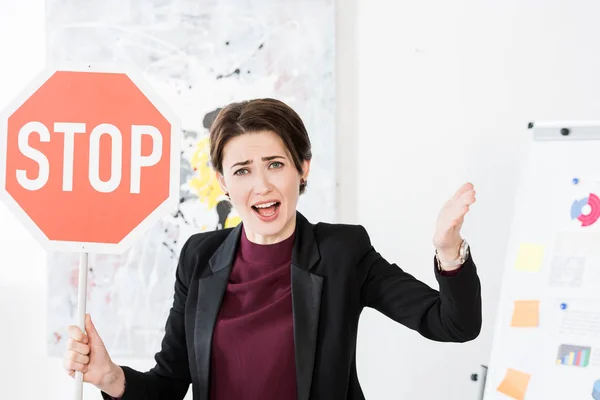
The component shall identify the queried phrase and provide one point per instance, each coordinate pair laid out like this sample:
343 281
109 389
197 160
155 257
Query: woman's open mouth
267 211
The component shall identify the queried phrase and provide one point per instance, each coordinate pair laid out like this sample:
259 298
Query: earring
227 194
303 183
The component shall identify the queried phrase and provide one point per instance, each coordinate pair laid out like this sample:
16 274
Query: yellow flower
205 181
232 221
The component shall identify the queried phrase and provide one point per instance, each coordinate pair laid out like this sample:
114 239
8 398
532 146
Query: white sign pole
81 306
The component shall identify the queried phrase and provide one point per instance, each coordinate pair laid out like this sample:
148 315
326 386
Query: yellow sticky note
526 314
514 384
530 257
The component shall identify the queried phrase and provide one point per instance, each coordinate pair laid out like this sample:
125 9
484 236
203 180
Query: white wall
466 76
446 89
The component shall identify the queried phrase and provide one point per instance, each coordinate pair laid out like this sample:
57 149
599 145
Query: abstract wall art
198 55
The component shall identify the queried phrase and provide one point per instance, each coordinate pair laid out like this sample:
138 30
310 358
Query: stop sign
90 159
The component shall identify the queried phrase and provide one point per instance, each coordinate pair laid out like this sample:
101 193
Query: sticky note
530 257
514 384
526 314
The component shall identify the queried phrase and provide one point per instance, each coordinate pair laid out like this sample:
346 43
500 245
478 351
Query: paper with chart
547 334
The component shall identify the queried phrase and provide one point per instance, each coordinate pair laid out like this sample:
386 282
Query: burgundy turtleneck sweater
253 342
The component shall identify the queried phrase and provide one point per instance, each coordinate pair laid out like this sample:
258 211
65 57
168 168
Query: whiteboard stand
481 378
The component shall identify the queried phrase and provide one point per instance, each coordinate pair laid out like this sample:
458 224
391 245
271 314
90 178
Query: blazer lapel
210 295
306 303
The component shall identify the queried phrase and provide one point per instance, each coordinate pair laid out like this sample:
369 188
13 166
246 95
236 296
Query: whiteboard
546 342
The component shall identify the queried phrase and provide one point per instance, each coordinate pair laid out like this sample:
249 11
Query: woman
270 309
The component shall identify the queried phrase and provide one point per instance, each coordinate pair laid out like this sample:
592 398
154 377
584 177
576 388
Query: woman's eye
242 171
276 164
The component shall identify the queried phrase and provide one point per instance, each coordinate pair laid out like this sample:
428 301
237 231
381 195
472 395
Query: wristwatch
463 253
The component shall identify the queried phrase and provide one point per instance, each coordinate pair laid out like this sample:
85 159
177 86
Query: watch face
464 250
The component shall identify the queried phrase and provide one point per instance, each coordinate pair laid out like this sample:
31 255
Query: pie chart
586 210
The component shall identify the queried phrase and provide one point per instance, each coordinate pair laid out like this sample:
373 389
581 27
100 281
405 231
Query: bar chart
571 355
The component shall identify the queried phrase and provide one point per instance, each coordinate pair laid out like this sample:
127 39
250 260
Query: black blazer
335 274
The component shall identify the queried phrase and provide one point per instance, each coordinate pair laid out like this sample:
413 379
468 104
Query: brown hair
260 115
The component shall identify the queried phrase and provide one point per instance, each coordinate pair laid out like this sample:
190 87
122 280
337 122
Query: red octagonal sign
90 159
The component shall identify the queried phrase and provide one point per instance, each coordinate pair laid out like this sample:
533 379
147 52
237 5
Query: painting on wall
199 55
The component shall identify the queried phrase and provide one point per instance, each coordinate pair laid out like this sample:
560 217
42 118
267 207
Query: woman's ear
305 169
